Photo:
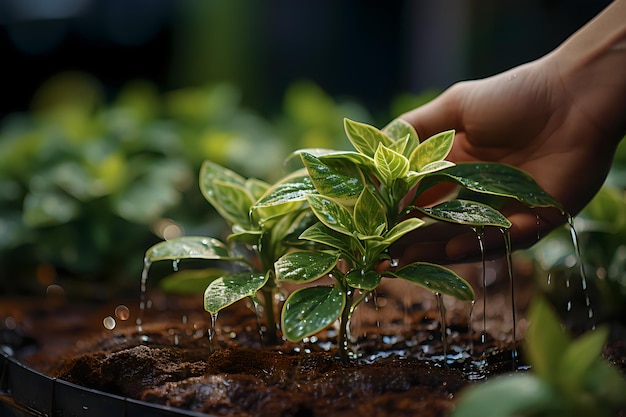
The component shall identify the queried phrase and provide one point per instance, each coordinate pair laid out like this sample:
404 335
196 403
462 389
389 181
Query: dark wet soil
397 368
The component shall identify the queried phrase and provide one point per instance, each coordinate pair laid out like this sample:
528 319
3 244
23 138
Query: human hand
556 120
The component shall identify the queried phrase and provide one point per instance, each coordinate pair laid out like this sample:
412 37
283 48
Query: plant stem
270 318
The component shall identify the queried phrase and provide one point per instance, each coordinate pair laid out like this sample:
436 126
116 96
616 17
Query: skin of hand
559 118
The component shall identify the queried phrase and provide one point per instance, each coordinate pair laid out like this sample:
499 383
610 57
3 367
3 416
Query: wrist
590 67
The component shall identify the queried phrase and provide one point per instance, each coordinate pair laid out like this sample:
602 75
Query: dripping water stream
509 264
581 265
481 244
143 288
212 332
442 320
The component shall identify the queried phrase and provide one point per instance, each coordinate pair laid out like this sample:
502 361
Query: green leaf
330 182
390 165
369 214
189 247
356 158
495 179
365 280
294 187
545 341
434 149
365 138
310 310
228 289
320 233
233 202
190 281
248 237
607 385
436 166
305 266
332 214
467 212
521 394
288 229
580 356
256 188
398 129
209 172
437 279
402 229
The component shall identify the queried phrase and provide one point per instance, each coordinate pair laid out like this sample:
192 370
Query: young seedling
360 200
567 378
347 208
260 235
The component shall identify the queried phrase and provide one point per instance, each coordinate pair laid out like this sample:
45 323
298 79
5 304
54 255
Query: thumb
435 116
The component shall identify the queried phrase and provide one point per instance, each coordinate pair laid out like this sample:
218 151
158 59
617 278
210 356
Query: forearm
591 65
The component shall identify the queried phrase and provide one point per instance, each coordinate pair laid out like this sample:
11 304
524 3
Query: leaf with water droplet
467 212
190 247
438 279
294 187
344 185
364 280
494 179
310 310
228 289
332 214
365 138
305 266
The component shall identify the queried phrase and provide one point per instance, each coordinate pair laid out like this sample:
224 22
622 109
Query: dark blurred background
365 49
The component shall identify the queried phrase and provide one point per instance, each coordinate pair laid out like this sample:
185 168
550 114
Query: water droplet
122 312
109 323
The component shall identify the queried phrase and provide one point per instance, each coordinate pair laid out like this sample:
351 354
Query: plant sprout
568 377
265 233
337 217
362 208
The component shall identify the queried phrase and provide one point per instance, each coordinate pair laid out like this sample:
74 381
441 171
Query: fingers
435 116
